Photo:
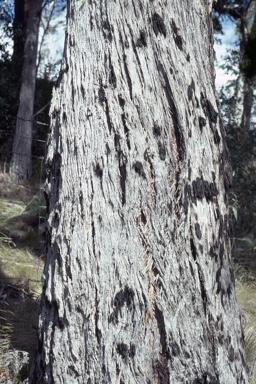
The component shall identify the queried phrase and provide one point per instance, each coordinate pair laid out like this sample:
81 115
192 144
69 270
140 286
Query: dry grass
246 296
19 322
21 264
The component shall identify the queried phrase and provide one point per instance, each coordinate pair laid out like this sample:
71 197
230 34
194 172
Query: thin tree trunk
21 162
19 34
138 284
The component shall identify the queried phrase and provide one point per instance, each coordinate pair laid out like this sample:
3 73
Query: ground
21 263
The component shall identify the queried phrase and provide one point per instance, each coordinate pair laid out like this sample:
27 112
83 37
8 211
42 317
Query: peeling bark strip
138 286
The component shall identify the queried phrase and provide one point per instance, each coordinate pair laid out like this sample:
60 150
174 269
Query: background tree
238 108
21 161
138 285
13 19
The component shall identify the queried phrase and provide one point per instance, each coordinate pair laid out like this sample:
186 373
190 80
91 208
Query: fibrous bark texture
21 161
138 285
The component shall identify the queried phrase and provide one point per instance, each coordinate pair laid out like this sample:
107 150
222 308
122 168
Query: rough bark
21 165
138 284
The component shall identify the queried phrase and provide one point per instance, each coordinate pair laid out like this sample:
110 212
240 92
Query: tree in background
21 161
238 106
13 18
138 285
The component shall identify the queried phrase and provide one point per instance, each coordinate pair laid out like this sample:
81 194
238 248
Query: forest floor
21 264
22 251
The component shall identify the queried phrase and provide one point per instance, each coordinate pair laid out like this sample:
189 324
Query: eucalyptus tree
29 17
138 285
238 107
21 161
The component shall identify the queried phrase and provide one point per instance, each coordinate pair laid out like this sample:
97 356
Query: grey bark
21 161
138 284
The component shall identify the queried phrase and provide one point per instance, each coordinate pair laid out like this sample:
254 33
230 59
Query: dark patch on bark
123 174
101 94
64 116
202 289
125 296
189 173
174 349
202 122
193 249
187 197
107 30
202 188
143 217
123 117
190 93
98 171
138 167
178 42
180 142
156 130
174 27
161 328
213 253
207 378
93 230
198 231
198 188
142 40
109 122
96 317
126 351
158 25
122 167
162 371
121 101
191 90
221 253
126 130
128 78
177 37
68 271
72 369
231 354
161 151
112 76
212 117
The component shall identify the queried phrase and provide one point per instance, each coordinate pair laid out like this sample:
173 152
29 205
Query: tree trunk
19 28
19 36
138 284
21 164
